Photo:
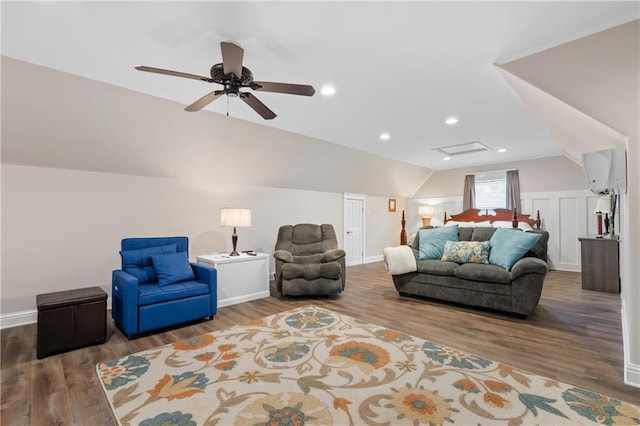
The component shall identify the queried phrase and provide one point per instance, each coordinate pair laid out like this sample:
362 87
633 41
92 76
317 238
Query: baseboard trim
631 370
15 319
373 259
242 299
632 375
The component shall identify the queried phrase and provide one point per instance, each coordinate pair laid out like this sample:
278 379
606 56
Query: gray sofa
516 290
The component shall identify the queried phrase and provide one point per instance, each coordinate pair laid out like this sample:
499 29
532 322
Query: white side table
240 278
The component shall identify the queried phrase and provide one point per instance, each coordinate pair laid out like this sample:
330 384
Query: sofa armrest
399 260
208 275
283 256
333 255
528 276
124 301
528 265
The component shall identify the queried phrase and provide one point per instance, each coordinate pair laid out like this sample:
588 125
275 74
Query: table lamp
240 218
426 212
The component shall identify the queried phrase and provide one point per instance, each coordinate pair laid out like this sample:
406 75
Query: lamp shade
425 211
603 205
240 218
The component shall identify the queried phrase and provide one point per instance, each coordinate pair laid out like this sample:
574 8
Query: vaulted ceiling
397 67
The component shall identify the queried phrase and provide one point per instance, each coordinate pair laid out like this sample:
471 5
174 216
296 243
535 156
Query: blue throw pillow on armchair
172 268
431 241
509 245
139 264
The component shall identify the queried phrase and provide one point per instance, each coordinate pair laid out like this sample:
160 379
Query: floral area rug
312 366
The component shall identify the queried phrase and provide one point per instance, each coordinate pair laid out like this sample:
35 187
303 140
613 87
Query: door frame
363 198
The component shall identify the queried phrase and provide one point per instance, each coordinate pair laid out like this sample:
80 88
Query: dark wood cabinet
71 319
600 263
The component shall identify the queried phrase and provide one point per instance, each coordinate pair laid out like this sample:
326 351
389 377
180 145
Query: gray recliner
308 260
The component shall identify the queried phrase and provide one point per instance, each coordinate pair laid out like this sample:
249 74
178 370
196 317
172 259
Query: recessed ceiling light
502 150
451 120
328 90
447 158
385 136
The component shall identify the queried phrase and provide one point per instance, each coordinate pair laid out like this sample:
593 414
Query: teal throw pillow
172 268
509 245
466 251
431 241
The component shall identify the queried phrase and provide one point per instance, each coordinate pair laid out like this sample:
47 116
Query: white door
354 229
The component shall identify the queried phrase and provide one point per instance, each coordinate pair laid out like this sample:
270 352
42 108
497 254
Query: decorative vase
599 222
606 223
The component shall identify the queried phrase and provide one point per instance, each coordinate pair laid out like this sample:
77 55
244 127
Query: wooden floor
574 336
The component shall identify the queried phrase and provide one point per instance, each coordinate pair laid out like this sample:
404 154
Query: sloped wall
598 76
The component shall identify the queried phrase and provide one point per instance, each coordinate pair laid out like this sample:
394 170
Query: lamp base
426 221
234 241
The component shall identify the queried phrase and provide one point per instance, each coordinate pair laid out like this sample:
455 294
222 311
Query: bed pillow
483 224
509 245
172 268
466 251
507 224
139 264
432 241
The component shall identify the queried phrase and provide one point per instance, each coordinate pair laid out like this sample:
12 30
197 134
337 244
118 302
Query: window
491 190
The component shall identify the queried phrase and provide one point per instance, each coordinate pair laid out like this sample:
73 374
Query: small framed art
392 204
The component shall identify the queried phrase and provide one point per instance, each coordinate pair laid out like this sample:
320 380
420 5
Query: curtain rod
492 171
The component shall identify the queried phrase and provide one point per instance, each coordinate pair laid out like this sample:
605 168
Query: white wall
87 164
537 175
61 229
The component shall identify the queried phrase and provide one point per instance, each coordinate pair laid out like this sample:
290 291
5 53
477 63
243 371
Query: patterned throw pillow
467 251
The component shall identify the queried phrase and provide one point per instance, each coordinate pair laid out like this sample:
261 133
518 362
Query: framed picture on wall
392 204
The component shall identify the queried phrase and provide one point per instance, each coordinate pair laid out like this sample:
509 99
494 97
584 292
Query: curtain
469 194
513 191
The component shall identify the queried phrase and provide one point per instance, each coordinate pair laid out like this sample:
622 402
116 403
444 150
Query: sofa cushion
482 234
483 273
431 244
172 268
466 251
312 271
436 267
464 233
154 293
509 245
139 264
306 233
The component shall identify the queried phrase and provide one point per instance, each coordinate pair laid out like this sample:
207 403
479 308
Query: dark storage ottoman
71 319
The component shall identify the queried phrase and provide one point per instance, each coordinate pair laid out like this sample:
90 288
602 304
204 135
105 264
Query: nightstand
240 278
600 264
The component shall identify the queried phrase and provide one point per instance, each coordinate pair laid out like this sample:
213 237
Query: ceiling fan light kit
233 76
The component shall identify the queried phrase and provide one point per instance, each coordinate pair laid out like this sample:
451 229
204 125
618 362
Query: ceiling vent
463 148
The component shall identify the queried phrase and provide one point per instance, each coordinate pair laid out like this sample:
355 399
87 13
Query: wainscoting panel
570 223
548 222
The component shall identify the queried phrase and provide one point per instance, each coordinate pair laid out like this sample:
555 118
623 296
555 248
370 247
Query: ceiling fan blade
174 73
232 56
257 106
204 101
292 89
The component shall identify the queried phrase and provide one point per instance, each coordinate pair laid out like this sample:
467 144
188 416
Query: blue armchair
157 286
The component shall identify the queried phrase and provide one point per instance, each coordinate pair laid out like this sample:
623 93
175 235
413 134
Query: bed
497 218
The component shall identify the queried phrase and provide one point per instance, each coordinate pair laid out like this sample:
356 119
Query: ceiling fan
233 76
